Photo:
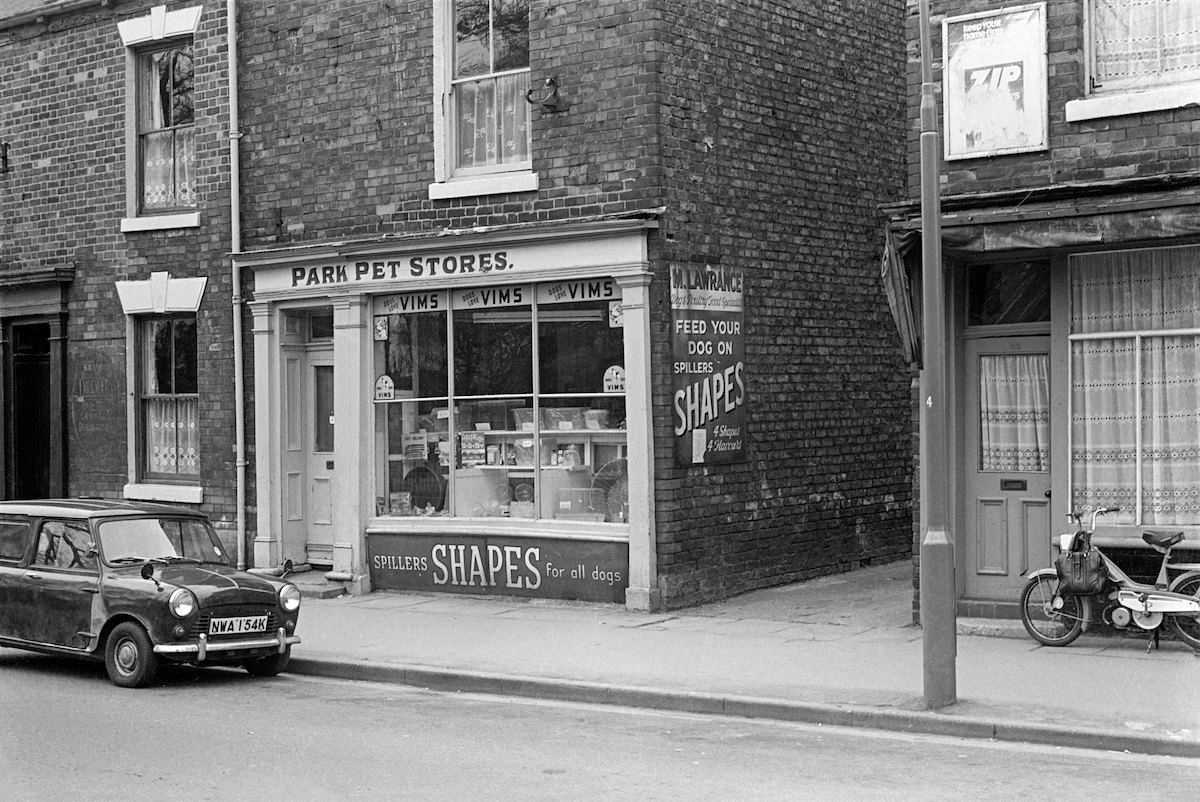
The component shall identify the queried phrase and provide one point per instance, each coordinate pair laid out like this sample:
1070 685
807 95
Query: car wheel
129 656
268 666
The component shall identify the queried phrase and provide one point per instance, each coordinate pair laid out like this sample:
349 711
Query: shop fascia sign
467 263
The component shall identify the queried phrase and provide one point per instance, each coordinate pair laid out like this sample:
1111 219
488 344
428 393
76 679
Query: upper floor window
1141 44
166 130
482 131
160 114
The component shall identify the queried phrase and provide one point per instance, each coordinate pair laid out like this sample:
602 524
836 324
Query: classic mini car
133 585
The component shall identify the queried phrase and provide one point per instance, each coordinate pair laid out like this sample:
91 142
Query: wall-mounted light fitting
553 100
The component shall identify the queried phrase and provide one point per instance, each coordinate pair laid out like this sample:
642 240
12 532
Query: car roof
91 508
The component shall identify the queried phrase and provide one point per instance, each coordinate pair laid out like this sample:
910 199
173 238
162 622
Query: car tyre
268 666
129 656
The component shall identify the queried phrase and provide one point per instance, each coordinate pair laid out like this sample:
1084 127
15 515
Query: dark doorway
32 440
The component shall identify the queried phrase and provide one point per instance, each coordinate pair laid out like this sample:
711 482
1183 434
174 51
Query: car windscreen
133 539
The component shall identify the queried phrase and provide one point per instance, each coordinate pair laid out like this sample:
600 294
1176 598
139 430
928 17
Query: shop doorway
308 439
1006 463
29 460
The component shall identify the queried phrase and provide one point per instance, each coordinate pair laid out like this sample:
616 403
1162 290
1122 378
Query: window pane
13 539
1146 42
167 89
510 19
472 38
169 169
576 345
493 351
172 435
323 409
492 121
185 380
1170 431
1014 413
1008 293
1104 426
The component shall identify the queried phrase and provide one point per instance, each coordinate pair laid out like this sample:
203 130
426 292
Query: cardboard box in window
523 419
562 418
523 449
595 419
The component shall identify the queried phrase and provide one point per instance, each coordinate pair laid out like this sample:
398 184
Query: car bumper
203 647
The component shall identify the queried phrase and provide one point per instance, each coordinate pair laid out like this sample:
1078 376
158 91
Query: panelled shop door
1006 463
308 465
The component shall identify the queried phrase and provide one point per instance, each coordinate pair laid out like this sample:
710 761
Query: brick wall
63 113
1114 148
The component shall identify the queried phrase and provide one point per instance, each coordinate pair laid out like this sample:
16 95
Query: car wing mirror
287 568
147 571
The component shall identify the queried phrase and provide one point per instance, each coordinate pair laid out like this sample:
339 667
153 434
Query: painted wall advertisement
546 568
708 364
995 94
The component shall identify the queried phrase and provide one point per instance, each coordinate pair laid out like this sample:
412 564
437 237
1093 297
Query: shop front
465 413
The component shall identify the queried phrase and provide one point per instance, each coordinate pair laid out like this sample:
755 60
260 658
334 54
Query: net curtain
1135 422
1014 400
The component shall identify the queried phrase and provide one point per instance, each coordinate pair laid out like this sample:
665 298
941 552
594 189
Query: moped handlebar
1078 517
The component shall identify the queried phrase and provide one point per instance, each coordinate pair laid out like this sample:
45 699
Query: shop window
511 404
169 398
482 132
1135 384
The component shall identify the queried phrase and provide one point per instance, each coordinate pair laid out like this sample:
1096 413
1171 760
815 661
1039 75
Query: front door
29 463
1006 463
319 454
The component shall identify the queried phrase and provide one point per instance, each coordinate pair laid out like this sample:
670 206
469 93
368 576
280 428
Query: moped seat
1162 540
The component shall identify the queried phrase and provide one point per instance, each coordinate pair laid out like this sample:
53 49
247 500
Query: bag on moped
1081 573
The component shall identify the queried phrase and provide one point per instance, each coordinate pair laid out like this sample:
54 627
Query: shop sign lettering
561 292
708 366
415 267
545 568
410 302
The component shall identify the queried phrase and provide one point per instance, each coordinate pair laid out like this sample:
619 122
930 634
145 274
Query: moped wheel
1045 624
1187 627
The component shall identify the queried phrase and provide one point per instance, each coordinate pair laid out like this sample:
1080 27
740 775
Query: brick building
573 300
1070 229
116 324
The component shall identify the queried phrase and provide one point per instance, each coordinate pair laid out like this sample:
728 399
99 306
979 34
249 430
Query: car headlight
182 603
289 598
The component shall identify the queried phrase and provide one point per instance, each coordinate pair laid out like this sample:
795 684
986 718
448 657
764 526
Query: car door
62 582
15 537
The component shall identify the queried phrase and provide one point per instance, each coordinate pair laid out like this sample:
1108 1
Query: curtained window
1138 44
170 400
1135 384
490 77
166 132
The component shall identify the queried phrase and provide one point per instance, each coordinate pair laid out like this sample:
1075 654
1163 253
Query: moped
1057 602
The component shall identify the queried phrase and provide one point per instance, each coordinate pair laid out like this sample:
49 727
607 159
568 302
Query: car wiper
123 560
176 559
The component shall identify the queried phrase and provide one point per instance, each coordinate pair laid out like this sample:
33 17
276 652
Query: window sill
487 185
179 494
160 222
1117 105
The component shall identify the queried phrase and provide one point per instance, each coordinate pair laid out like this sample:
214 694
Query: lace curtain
1145 42
1135 399
169 169
492 121
1014 413
172 436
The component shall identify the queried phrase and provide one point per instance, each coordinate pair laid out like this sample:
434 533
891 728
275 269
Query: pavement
839 650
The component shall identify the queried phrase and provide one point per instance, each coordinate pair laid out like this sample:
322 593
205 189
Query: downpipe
235 243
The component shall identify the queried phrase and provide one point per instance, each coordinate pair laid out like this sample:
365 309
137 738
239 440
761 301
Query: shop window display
514 409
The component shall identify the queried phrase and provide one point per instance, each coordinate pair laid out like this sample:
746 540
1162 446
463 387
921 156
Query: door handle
32 575
1046 494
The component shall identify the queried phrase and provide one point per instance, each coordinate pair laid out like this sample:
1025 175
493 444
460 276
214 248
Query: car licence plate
238 626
